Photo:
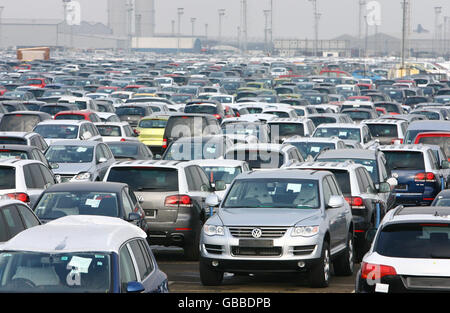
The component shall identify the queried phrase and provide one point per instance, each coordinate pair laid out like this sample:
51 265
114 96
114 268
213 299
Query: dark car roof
94 186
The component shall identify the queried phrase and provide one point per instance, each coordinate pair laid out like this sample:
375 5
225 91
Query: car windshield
370 165
19 122
109 131
314 99
383 130
341 133
146 178
74 272
180 99
257 159
54 205
404 160
273 193
312 148
226 174
414 240
390 107
70 154
186 151
57 131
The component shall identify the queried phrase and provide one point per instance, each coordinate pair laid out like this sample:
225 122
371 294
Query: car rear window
7 177
443 142
322 120
7 154
130 111
53 109
76 117
109 131
257 159
13 141
417 241
146 178
19 122
153 124
184 126
205 109
383 130
358 115
123 150
287 129
404 160
343 179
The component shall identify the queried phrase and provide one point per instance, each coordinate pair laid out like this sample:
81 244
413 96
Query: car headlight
83 176
305 231
213 230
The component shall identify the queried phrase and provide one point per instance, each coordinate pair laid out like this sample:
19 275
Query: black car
54 109
130 150
97 198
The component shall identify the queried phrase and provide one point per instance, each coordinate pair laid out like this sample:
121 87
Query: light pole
316 27
180 12
193 19
266 30
221 15
173 28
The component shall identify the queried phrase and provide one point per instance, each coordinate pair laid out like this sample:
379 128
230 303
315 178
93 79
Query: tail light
355 202
425 178
397 141
123 139
177 201
21 196
164 143
217 116
375 271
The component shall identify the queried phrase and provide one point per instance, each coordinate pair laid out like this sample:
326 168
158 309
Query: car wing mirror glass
220 185
135 287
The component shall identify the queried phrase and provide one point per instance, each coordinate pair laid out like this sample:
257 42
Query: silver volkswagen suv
279 221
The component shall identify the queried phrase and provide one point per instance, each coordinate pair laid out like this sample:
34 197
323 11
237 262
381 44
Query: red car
37 82
78 115
441 139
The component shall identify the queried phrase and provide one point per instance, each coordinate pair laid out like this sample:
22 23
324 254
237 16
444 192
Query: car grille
302 250
66 178
214 249
267 232
246 251
428 283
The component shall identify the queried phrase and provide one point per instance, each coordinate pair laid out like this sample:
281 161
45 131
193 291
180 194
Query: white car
278 71
59 130
409 253
116 131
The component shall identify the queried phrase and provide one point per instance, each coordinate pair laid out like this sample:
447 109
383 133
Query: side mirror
212 200
384 188
102 160
86 136
445 165
370 235
54 166
135 287
393 182
335 202
220 185
133 217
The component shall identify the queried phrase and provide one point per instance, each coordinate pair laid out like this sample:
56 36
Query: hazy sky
292 18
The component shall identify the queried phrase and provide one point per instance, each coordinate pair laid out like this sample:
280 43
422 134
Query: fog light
301 264
215 263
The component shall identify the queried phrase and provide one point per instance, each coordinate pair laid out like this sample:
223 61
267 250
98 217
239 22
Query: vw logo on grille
256 233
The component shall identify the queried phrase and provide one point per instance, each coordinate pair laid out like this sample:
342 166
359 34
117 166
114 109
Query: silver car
279 221
79 161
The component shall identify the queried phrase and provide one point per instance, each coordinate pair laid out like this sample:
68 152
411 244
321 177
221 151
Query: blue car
80 253
419 175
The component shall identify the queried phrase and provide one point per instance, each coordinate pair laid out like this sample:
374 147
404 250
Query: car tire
208 276
319 274
345 263
192 249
